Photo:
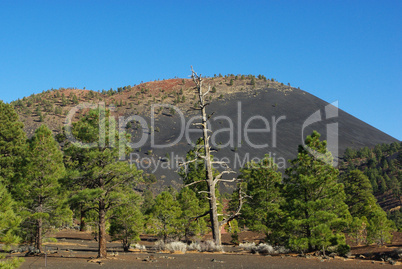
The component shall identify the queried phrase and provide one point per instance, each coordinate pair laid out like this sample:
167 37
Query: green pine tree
191 208
317 213
252 82
63 100
12 145
261 212
165 216
358 230
40 193
9 225
75 99
126 222
359 193
380 228
103 180
363 205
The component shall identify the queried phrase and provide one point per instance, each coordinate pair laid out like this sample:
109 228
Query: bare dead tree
211 180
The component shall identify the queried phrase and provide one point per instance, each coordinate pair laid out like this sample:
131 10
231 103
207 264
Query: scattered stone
392 262
167 257
215 260
348 255
397 253
150 258
32 252
98 261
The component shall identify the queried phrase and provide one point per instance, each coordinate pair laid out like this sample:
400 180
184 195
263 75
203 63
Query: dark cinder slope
255 109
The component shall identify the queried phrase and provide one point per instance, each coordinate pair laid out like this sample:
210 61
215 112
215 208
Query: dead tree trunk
213 213
210 179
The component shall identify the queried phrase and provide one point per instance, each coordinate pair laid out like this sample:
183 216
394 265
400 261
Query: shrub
343 249
172 246
194 246
207 246
176 246
140 247
210 246
247 246
159 245
263 248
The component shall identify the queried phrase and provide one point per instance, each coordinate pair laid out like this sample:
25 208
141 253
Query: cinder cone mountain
252 116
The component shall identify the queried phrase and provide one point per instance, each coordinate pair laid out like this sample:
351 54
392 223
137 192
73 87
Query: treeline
382 166
44 187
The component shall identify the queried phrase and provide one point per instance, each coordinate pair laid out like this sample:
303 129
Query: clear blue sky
337 50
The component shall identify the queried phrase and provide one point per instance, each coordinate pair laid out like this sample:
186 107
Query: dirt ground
76 249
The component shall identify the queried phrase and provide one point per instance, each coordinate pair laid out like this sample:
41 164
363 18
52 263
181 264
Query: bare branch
219 162
203 192
195 182
237 213
209 88
209 116
228 180
200 216
185 163
219 177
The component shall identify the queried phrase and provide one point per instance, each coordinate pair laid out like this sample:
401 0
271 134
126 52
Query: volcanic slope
251 117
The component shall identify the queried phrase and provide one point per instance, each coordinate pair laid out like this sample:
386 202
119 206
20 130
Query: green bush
343 249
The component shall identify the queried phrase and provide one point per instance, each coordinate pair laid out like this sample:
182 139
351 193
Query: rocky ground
78 250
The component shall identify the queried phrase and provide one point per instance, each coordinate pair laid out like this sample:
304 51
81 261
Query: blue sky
337 50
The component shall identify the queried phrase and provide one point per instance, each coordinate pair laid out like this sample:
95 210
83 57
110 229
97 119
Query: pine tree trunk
102 230
126 244
82 221
39 235
39 227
